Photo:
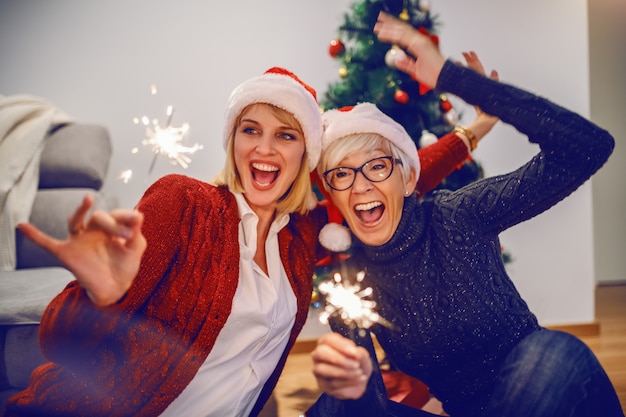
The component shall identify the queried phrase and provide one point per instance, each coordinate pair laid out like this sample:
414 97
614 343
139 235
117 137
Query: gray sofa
74 162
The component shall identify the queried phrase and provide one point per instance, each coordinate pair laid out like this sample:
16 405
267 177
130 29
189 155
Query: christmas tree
367 74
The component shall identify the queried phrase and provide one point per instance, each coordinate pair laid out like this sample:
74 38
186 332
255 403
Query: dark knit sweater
441 280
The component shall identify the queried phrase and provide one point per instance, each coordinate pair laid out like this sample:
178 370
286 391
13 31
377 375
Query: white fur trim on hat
367 118
285 92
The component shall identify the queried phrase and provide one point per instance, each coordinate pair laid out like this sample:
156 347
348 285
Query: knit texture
441 280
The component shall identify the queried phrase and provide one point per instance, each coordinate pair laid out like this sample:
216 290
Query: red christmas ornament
336 48
401 97
446 105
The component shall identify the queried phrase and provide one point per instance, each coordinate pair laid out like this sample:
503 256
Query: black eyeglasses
375 170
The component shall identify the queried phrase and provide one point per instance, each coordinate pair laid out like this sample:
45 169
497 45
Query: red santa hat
283 89
362 118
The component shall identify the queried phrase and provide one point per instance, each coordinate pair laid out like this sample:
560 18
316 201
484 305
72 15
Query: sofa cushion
22 353
75 155
50 212
25 294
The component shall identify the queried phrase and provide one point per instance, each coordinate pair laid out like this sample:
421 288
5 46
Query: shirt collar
248 216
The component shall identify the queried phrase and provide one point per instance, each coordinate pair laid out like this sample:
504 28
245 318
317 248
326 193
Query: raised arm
572 148
440 159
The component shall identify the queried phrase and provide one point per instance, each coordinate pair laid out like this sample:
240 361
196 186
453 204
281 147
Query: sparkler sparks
167 140
164 140
349 302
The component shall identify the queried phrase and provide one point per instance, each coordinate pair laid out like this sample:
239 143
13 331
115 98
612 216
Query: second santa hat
367 118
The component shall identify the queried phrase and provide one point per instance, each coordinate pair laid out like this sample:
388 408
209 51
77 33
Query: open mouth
369 212
264 174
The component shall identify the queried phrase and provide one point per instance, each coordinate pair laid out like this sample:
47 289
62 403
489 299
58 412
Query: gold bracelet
471 137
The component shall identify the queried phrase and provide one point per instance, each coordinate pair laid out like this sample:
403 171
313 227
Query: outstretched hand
341 368
103 252
425 60
484 122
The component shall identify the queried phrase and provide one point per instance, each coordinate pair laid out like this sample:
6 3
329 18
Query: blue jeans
551 373
548 374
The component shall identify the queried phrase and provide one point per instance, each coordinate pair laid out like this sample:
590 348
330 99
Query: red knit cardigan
135 357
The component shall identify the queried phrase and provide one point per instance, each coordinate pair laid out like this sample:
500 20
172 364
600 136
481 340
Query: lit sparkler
167 140
350 302
164 140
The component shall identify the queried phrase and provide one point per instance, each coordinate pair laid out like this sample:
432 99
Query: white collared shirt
255 334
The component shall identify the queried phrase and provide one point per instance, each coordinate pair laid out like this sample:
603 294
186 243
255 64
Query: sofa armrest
25 294
75 155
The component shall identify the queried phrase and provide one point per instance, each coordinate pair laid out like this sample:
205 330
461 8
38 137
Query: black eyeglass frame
392 159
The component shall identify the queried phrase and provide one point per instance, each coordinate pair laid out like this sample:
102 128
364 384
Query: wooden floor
297 389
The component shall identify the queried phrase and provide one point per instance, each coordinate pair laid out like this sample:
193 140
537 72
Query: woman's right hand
425 60
103 252
341 368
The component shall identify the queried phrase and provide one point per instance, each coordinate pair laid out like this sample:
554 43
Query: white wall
97 60
542 47
607 33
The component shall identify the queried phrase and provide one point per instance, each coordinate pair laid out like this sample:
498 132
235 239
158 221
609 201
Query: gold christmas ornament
404 15
343 72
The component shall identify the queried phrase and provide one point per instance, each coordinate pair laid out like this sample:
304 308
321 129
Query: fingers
336 356
341 368
75 223
471 58
332 360
473 62
406 65
118 223
424 60
395 31
39 237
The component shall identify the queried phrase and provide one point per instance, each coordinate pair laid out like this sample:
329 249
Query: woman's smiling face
372 209
268 155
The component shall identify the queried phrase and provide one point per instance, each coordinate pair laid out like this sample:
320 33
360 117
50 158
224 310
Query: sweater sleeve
572 149
439 160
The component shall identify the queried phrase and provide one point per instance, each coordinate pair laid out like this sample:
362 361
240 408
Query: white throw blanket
24 122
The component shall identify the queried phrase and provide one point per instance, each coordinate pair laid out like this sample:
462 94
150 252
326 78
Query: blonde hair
368 142
299 196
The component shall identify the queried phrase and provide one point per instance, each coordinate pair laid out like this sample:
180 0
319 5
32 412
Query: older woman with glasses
455 319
